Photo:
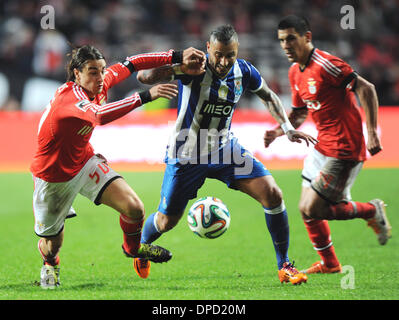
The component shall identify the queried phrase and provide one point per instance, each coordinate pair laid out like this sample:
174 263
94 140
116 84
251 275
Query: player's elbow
144 78
364 86
369 87
141 77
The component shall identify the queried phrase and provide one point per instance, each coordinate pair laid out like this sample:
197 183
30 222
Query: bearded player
325 86
201 139
65 163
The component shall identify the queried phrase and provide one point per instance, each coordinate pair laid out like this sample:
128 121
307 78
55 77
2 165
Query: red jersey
67 123
325 86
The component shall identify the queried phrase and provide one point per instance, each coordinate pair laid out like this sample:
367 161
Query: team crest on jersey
164 204
238 87
223 91
312 86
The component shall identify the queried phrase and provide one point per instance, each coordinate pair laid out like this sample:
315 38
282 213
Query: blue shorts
182 180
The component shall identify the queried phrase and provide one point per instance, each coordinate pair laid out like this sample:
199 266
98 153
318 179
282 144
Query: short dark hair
299 23
224 34
80 56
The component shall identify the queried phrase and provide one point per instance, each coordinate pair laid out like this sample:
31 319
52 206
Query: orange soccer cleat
142 267
288 273
320 267
146 253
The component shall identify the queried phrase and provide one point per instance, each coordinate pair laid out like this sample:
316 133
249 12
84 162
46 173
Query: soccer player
325 86
202 146
65 163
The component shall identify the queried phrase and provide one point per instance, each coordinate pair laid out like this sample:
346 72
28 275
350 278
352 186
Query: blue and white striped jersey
205 108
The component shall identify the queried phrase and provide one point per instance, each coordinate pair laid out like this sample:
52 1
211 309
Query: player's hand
373 144
193 61
298 136
165 90
269 137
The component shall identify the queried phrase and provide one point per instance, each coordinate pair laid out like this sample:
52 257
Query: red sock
131 234
320 236
352 210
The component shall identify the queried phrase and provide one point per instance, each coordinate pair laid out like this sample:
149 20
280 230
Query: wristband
145 96
177 57
287 126
128 64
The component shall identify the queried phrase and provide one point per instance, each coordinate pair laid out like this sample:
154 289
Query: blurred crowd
33 59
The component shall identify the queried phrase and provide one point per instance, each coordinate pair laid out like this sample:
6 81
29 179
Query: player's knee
166 223
309 209
302 209
274 197
134 208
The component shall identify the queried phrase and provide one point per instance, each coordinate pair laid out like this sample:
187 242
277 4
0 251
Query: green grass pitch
240 265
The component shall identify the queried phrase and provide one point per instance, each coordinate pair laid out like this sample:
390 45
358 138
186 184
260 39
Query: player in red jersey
325 86
65 163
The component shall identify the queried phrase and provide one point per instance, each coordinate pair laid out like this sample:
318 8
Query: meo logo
220 110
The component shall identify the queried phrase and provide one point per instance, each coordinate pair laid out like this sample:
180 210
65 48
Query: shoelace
152 250
291 268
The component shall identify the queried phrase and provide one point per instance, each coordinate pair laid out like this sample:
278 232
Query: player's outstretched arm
103 114
192 63
166 73
276 109
156 75
369 101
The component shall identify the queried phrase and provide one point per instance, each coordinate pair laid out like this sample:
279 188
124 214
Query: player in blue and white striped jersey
202 146
205 109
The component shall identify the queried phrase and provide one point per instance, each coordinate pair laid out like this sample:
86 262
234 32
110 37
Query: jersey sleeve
150 60
337 72
103 114
120 71
115 74
296 100
255 80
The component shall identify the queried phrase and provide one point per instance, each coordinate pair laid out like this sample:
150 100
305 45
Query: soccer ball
208 217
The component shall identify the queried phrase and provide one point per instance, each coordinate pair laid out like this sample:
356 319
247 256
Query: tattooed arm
273 103
167 73
152 76
297 116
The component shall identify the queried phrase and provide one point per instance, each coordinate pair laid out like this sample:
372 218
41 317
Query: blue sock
277 223
150 231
